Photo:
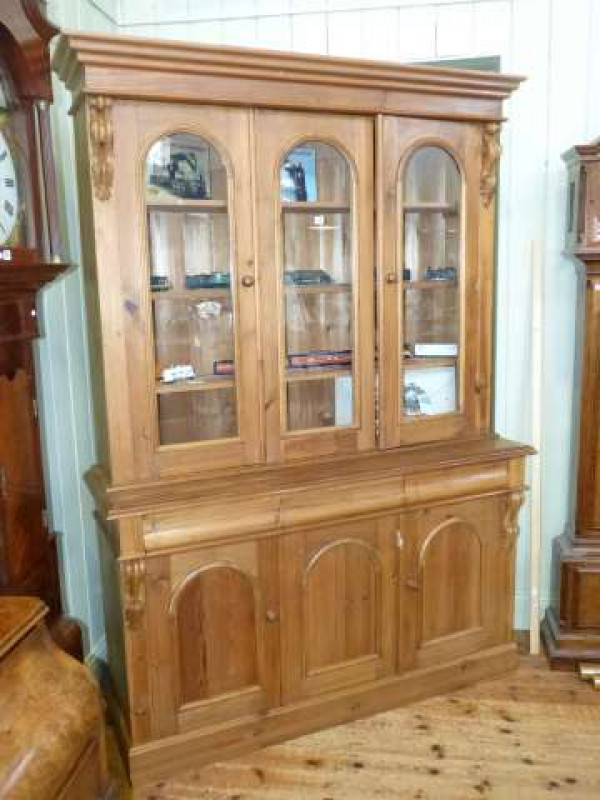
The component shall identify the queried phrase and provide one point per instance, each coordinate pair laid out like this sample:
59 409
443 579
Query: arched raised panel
214 624
342 595
450 581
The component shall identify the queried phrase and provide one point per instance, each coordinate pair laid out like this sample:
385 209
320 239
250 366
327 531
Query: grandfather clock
571 628
29 258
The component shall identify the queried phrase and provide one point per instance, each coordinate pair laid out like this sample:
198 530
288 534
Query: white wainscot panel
379 33
454 37
416 34
491 23
309 33
345 33
274 32
239 32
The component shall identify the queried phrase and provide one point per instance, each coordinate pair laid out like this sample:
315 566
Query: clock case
28 560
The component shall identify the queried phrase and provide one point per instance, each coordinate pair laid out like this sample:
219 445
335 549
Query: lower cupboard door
212 634
458 584
338 608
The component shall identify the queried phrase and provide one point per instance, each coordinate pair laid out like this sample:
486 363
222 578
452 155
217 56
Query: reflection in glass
431 282
190 281
316 199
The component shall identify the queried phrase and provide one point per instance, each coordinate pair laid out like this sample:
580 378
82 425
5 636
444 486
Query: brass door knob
248 281
391 278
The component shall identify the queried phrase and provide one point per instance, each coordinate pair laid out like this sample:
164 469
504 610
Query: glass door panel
431 223
318 259
191 286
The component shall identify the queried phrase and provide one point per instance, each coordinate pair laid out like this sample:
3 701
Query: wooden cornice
148 69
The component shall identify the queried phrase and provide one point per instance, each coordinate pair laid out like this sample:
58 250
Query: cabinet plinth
305 516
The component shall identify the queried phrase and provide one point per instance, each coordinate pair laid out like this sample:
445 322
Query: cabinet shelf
317 207
430 285
428 362
166 204
191 294
315 373
208 383
441 208
318 288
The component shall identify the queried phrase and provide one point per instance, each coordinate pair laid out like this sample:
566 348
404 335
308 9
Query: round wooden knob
271 615
248 281
391 278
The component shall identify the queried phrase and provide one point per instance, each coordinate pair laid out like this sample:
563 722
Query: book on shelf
320 358
435 349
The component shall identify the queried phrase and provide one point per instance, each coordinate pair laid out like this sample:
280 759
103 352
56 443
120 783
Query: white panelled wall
554 43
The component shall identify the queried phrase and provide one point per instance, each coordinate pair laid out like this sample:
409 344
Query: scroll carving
134 591
490 153
514 501
102 144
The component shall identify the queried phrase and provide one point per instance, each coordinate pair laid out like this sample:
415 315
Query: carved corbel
514 501
490 153
102 146
133 574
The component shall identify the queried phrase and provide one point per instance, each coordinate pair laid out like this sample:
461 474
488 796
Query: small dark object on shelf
406 275
440 274
211 280
225 366
159 283
320 358
306 277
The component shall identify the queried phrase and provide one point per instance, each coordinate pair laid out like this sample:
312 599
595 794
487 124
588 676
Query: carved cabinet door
338 607
456 591
212 635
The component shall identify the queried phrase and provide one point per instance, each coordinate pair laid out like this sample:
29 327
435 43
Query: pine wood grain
529 736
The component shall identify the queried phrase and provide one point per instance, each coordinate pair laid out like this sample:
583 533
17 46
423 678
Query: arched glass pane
431 282
318 257
190 281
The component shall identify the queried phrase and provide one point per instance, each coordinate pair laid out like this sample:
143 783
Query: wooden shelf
191 294
324 207
208 383
319 288
442 208
429 285
428 362
315 373
175 204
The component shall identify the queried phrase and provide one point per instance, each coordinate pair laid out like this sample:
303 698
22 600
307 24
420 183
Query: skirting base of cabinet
158 760
565 648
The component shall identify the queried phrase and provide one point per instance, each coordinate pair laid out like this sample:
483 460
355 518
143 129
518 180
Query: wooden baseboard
566 649
160 759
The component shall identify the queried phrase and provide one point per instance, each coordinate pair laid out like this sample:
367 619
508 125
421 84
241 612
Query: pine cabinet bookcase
305 514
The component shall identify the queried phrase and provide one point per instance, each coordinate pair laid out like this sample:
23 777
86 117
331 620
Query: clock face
9 197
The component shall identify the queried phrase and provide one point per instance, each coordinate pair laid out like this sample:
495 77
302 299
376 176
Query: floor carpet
532 735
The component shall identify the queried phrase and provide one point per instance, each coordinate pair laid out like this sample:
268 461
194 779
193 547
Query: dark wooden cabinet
29 259
571 627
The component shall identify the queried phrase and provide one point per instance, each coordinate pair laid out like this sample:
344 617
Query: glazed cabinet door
456 591
314 182
434 281
213 635
179 321
337 607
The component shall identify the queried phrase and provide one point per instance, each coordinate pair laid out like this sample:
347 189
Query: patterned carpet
530 736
